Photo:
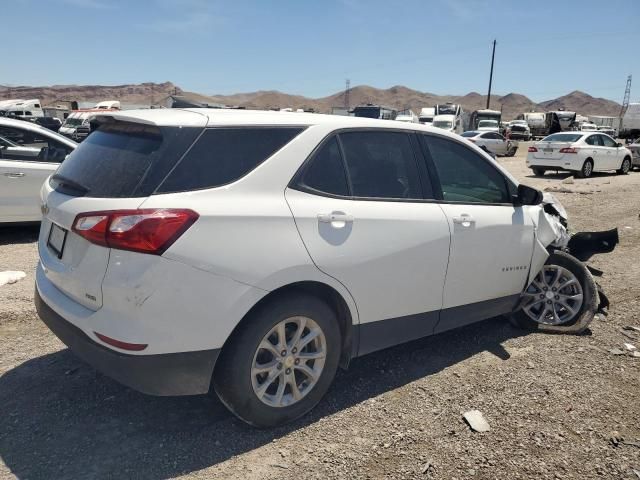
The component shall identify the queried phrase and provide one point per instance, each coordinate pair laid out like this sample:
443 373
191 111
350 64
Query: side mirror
618 144
528 196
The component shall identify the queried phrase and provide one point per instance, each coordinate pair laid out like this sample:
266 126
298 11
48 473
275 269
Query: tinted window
470 134
595 140
381 165
123 160
607 142
31 146
563 137
464 175
325 172
223 155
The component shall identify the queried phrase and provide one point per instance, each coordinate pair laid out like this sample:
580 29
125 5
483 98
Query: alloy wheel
555 296
288 361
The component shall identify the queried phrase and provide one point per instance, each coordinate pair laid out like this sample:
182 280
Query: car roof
34 127
221 117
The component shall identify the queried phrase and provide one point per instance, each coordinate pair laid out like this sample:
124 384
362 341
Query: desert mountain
399 97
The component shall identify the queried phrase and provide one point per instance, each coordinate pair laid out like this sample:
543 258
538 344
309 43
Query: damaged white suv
255 252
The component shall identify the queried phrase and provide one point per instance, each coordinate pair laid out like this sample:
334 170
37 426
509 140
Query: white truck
407 116
630 125
24 109
426 115
536 122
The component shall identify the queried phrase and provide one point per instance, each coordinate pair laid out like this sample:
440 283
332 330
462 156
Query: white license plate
57 238
547 150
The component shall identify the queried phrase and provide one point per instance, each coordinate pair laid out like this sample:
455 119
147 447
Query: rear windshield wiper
67 185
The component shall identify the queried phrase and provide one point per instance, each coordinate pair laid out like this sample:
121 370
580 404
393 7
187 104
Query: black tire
581 320
538 172
587 169
232 376
625 167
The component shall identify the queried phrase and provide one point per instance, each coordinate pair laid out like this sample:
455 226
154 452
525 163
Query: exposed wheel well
322 291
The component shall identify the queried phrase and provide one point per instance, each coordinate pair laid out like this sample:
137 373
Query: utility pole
346 95
493 55
625 101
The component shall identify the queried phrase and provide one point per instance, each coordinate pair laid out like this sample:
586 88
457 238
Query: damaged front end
562 294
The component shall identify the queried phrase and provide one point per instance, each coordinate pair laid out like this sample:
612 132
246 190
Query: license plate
547 150
57 239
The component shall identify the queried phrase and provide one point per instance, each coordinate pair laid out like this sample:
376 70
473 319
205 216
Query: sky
545 49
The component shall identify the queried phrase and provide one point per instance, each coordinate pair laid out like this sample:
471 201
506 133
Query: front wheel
562 298
625 167
281 362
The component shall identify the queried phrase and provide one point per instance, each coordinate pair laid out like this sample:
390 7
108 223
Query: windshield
425 119
488 123
367 112
72 122
469 134
442 123
5 142
563 137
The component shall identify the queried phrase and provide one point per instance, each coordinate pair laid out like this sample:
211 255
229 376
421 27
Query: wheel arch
325 292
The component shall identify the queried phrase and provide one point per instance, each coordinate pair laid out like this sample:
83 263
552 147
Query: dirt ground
559 406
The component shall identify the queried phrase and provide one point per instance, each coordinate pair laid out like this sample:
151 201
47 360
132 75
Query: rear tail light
569 150
144 230
532 149
134 347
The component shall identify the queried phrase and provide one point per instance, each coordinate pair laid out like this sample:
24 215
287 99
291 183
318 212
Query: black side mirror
618 144
528 196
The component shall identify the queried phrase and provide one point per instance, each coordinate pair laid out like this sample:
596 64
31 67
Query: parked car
492 142
29 153
256 252
634 148
580 152
52 123
588 127
519 130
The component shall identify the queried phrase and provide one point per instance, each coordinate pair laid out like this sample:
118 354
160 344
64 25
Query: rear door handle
465 220
14 174
334 217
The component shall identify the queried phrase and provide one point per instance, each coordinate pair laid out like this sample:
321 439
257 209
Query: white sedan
29 153
492 142
579 152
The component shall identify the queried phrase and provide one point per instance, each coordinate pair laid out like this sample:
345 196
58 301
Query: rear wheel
625 167
587 169
281 363
562 298
538 172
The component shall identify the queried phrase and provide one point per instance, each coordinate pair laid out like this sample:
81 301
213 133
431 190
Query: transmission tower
627 96
347 87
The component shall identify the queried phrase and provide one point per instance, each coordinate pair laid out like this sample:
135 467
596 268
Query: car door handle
14 174
334 217
465 220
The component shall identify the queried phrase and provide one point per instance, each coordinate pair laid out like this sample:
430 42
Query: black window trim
302 129
296 181
434 174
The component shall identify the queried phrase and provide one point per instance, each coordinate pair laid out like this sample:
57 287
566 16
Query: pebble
476 421
616 351
568 181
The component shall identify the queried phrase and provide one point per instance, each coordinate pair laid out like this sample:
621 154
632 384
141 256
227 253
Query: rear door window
381 164
607 142
223 155
123 159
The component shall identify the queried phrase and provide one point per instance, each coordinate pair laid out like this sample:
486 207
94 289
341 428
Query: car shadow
62 419
19 233
561 175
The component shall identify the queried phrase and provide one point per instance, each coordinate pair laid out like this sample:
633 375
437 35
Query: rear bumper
186 373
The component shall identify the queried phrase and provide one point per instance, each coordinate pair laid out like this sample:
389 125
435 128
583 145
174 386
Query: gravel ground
558 406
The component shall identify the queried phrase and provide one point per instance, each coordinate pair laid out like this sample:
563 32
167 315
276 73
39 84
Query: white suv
258 251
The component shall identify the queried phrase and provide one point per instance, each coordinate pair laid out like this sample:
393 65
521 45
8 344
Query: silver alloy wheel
626 165
588 168
555 296
288 362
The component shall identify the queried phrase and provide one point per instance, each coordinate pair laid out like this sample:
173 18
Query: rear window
563 137
123 159
469 134
223 155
